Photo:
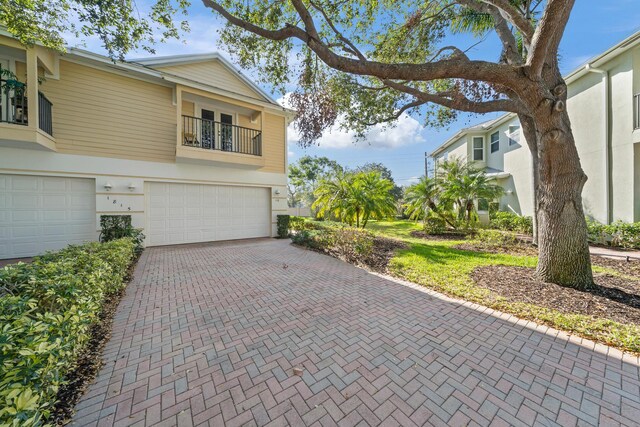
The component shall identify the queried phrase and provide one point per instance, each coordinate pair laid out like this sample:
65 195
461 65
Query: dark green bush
297 223
350 244
46 313
114 227
283 226
509 221
619 234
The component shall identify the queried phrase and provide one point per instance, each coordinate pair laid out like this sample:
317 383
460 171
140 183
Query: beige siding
273 143
188 109
104 114
212 73
245 121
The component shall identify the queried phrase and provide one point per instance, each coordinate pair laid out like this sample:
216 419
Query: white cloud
291 153
407 131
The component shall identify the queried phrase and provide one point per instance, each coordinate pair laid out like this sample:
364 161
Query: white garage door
39 213
190 213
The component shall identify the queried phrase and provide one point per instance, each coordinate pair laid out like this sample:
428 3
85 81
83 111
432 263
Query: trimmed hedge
47 308
283 226
619 234
509 221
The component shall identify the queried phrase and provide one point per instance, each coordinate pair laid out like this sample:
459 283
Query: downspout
607 144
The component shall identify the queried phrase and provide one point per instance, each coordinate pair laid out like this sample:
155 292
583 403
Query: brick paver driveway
211 334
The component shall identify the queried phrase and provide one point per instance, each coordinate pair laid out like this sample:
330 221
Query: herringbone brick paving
211 334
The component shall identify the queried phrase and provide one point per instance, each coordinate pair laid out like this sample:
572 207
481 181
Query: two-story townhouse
187 145
604 108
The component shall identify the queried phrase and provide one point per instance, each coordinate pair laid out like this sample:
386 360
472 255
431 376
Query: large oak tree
365 62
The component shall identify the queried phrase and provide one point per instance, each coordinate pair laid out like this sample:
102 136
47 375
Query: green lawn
438 265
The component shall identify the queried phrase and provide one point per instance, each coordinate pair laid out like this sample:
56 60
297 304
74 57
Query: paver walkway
211 334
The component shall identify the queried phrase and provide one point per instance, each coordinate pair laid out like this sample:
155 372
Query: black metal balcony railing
14 107
636 111
44 114
212 135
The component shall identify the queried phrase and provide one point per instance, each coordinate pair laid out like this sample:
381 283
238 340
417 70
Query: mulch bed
443 236
613 297
90 360
383 251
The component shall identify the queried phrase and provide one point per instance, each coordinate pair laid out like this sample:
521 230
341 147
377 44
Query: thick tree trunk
561 226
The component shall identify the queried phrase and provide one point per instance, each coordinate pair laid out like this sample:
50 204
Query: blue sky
594 26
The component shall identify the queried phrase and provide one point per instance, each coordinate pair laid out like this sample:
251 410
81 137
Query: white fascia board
626 44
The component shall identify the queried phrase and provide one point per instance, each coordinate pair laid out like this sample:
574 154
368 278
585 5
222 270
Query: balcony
14 106
211 135
209 140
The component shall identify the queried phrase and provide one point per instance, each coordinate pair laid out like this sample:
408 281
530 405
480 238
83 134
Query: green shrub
434 225
297 223
509 221
496 238
350 244
114 227
283 226
46 316
619 234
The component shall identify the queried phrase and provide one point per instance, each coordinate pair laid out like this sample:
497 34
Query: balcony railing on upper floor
14 107
212 135
636 111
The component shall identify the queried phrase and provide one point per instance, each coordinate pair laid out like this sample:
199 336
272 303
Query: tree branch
351 46
459 102
398 113
454 67
548 35
512 14
509 44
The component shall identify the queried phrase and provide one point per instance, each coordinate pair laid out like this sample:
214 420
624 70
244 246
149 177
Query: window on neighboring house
495 142
445 156
478 148
514 134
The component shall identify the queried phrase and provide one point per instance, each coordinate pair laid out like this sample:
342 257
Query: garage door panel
24 183
189 213
39 213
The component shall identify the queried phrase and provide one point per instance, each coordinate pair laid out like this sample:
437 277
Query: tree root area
615 297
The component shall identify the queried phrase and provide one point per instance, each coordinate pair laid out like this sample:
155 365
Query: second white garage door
190 213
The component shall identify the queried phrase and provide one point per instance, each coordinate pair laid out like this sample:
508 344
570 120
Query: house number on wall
115 202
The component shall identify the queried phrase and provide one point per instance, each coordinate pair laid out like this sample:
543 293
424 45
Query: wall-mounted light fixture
132 186
108 186
277 192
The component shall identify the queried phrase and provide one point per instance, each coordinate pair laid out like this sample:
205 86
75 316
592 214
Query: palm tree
379 200
425 197
332 195
465 184
355 197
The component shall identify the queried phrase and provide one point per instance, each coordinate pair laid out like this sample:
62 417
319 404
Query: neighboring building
604 108
186 145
